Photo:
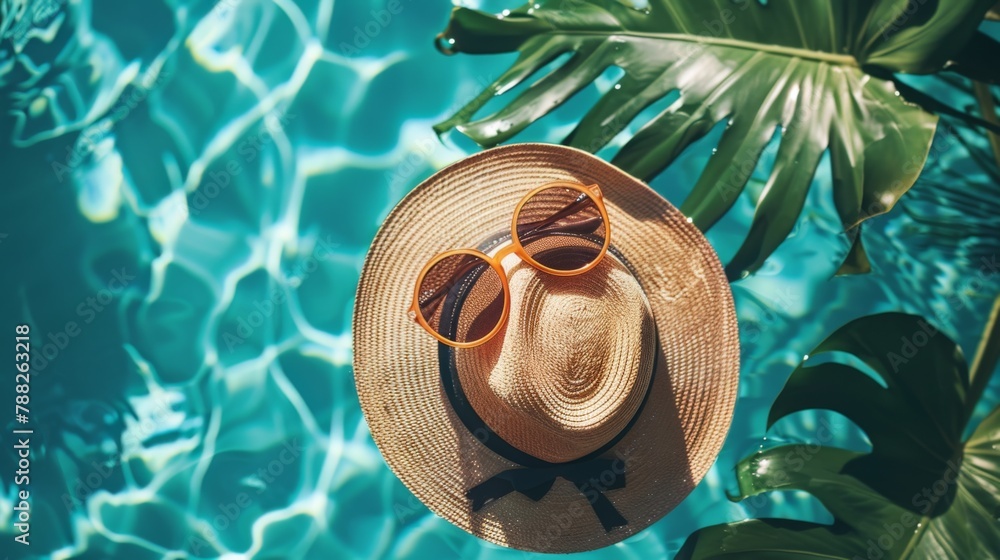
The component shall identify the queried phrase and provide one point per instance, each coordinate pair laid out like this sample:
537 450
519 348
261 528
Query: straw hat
599 406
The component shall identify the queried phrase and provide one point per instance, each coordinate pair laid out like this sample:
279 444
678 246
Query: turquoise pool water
210 175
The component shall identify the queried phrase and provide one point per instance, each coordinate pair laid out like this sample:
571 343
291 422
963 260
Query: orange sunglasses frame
595 194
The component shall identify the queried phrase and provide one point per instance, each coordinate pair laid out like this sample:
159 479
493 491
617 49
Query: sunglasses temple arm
583 226
440 292
566 211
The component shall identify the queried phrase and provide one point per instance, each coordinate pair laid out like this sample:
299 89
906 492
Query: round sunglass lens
561 228
461 298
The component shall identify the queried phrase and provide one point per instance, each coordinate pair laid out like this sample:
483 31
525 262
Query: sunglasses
462 297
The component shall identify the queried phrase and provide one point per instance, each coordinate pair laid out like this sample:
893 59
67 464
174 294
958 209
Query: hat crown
573 365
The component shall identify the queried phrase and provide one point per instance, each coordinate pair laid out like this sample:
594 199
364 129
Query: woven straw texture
684 421
573 365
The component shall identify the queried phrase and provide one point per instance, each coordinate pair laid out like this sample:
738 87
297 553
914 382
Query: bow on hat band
535 483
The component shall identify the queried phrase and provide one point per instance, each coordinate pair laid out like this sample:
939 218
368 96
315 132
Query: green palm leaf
806 68
920 493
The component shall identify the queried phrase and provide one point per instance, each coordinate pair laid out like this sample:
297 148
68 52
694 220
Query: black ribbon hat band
592 474
535 483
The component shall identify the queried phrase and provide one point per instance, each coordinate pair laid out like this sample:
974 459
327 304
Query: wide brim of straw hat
680 428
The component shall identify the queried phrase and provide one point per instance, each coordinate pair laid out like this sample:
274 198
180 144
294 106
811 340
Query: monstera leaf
920 493
810 71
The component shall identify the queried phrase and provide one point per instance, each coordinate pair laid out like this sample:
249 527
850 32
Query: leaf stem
841 59
917 535
989 111
987 356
